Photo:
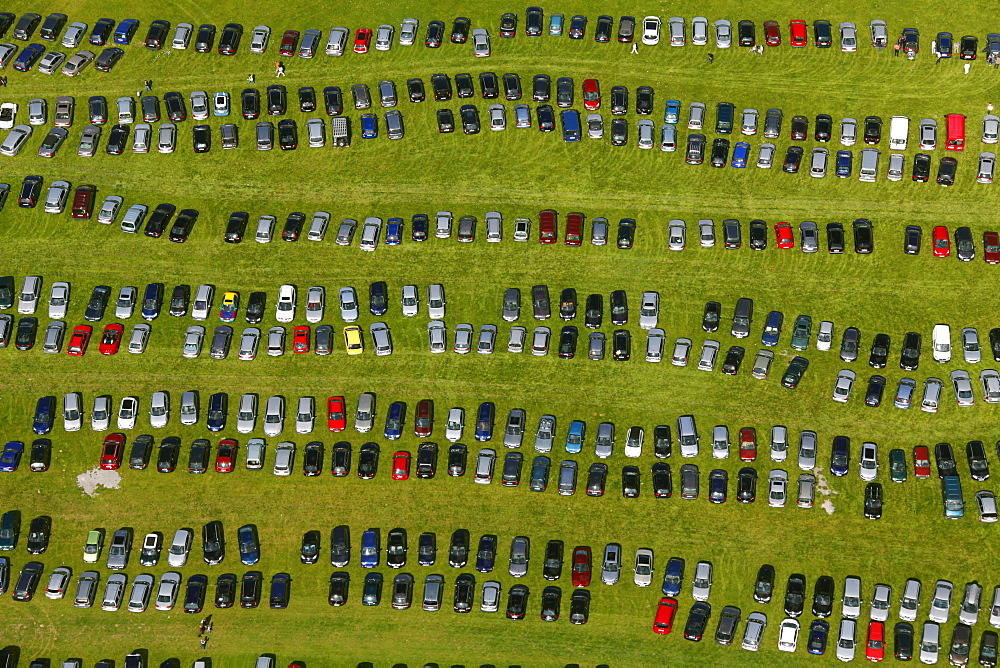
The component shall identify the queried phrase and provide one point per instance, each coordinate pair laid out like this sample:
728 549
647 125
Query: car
666 610
963 388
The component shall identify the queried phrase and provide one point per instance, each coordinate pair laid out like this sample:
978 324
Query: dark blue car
484 421
44 415
486 555
152 301
845 162
246 536
11 456
840 458
125 31
369 126
378 302
218 407
394 231
578 27
28 57
818 633
369 549
673 577
394 420
418 227
772 328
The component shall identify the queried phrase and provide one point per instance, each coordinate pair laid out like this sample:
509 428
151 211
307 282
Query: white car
480 43
643 567
881 600
285 308
941 603
455 424
100 417
633 441
159 410
274 416
676 235
305 415
845 383
410 301
348 304
315 304
8 114
869 461
166 595
58 300
258 39
788 635
383 37
824 338
649 310
127 411
971 350
180 547
651 30
963 388
720 442
845 640
941 343
701 586
777 488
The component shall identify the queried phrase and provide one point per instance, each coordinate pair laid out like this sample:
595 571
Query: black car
458 550
486 554
415 89
395 548
201 138
156 34
979 466
800 128
333 100
107 59
567 342
663 482
340 546
229 41
427 460
596 479
763 588
909 357
734 358
835 238
824 127
236 227
795 594
793 374
945 459
427 549
419 223
340 463
552 562
718 486
488 85
512 469
378 298
255 307
533 22
619 100
293 226
179 299
873 395
747 33
157 223
710 318
793 158
720 152
225 590
463 86
697 620
118 140
758 235
822 605
204 38
457 456
746 485
182 227
911 240
307 99
460 30
594 313
508 24
199 455
176 109
288 134
619 308
546 118
626 29
41 455
988 648
38 534
864 240
995 343
27 582
662 443
517 601
31 189
880 351
27 331
968 47
946 171
250 103
626 233
98 303
823 34
470 119
621 345
281 589
312 460
434 34
630 482
903 642
921 167
339 587
579 607
465 592
250 587
602 31
644 100
541 88
441 85
695 154
213 543
446 123
873 130
368 461
512 87
619 132
873 500
551 599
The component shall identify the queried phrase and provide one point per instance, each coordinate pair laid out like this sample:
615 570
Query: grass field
517 172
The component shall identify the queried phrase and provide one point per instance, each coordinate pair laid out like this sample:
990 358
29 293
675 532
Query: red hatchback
581 566
226 456
300 339
942 244
288 43
111 456
991 247
875 649
783 235
574 229
748 444
797 33
111 339
591 95
401 465
666 610
362 40
78 342
336 414
423 422
772 33
921 462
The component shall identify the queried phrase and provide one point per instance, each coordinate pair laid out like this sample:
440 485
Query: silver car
605 440
644 568
179 548
437 336
455 424
193 340
315 304
941 603
114 592
410 301
246 414
971 350
166 595
520 552
723 34
611 566
305 415
159 410
845 383
701 586
516 339
807 450
962 383
58 582
364 416
490 599
709 354
142 589
274 415
349 304
463 338
118 552
408 31
595 126
545 434
435 301
765 156
383 37
513 433
649 310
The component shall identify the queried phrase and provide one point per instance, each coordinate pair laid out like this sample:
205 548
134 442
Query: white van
899 128
202 302
941 343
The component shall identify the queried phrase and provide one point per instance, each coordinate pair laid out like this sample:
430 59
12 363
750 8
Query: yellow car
353 340
229 307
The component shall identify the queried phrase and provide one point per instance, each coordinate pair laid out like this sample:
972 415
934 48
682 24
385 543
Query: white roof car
455 424
676 233
633 441
159 409
127 411
788 635
258 39
649 310
494 228
383 37
435 301
285 308
941 603
754 632
668 137
651 30
897 162
777 488
701 586
72 411
370 232
845 640
643 567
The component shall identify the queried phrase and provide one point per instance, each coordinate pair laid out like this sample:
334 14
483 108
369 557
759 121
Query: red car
666 610
591 95
991 247
942 243
226 456
547 227
581 566
574 229
797 33
78 342
401 465
783 235
288 43
300 339
111 456
336 414
772 34
921 462
748 444
362 40
875 649
111 339
423 423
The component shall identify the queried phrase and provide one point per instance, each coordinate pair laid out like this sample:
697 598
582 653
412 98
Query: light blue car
574 439
220 104
556 25
672 111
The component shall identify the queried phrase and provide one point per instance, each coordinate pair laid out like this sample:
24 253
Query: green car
897 465
801 331
793 375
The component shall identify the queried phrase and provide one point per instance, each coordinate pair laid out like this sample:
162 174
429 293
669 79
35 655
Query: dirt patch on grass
90 481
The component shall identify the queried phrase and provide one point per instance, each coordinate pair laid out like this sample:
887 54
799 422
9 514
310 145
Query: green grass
518 173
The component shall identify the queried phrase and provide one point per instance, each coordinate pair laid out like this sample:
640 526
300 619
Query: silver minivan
435 301
126 109
687 436
364 416
696 116
202 302
256 452
869 165
31 289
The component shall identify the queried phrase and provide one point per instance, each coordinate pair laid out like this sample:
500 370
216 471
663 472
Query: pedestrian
939 55
3 82
251 78
635 47
138 94
149 84
934 47
280 72
896 47
967 66
711 58
989 107
204 642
